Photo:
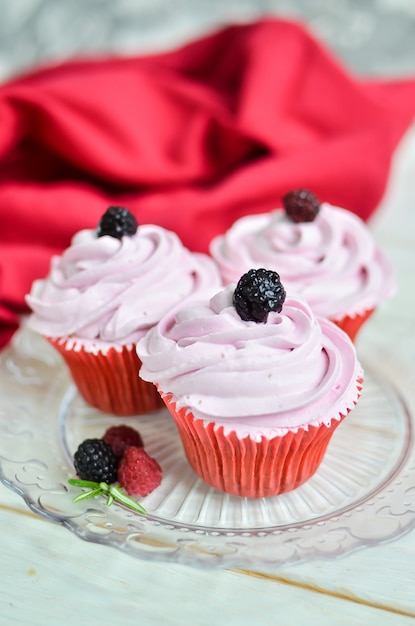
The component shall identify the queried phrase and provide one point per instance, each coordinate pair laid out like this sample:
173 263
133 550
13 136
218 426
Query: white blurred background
371 37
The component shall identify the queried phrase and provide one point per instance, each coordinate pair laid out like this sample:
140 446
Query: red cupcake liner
109 381
249 468
352 325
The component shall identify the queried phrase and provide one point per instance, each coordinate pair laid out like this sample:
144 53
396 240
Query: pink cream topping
333 261
111 290
254 378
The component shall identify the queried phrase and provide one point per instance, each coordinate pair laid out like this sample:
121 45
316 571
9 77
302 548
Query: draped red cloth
190 139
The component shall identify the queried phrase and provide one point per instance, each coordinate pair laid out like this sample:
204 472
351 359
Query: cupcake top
325 253
257 378
112 284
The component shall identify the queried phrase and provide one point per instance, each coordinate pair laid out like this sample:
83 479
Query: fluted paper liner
245 467
352 324
109 381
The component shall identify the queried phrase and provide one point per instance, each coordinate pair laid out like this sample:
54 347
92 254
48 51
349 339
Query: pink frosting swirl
333 262
112 290
256 379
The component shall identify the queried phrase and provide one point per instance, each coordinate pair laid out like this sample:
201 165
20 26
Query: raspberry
117 222
301 205
257 293
94 460
122 437
138 472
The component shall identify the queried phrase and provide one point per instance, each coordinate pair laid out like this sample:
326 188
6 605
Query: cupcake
256 384
324 253
104 293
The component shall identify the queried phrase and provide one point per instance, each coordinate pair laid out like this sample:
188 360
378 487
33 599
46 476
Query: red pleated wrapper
109 381
245 467
352 324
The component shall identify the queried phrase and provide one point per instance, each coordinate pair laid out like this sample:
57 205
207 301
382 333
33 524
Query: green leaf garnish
88 484
111 491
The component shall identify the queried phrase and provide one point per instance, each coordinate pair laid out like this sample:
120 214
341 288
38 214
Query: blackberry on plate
301 205
94 460
117 222
257 293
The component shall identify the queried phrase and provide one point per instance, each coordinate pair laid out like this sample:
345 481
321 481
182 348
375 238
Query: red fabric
190 139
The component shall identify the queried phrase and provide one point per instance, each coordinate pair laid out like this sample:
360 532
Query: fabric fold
190 140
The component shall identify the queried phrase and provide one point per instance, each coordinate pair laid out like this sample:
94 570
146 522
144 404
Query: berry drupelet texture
122 437
257 293
138 473
94 460
301 205
117 222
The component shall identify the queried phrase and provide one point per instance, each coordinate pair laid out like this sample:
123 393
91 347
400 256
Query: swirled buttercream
333 262
254 378
112 290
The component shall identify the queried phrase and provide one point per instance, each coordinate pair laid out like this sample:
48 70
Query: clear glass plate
362 494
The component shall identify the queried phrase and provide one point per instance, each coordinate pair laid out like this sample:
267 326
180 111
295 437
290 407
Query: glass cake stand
362 493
